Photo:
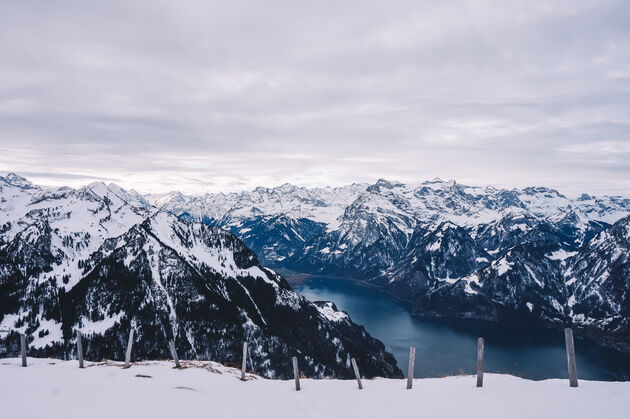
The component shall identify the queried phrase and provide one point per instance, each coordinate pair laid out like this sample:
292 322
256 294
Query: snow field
50 388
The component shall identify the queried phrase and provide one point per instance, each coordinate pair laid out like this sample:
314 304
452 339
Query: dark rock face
277 237
521 284
366 241
167 279
435 257
586 288
504 233
599 283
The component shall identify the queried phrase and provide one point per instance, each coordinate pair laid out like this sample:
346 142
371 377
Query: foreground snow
50 388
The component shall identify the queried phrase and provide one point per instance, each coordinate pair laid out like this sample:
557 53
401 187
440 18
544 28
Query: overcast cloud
207 96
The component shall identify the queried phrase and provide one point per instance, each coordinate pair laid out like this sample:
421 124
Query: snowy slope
72 223
322 205
92 260
203 390
451 249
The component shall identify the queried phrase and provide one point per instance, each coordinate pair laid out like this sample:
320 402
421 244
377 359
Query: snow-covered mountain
380 219
452 249
598 283
102 260
322 205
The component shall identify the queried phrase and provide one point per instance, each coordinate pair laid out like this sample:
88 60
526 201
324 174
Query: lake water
447 347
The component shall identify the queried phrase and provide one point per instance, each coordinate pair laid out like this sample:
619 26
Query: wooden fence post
480 345
129 346
23 349
568 338
79 349
356 372
412 358
171 344
244 366
296 374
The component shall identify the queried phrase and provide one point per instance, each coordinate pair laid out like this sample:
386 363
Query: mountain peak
17 180
286 187
261 189
437 180
533 190
447 225
99 188
384 184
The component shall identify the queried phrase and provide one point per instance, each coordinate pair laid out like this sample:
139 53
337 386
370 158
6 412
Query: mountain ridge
514 238
87 259
451 249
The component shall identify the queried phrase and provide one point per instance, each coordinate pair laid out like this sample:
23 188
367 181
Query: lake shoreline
295 278
366 305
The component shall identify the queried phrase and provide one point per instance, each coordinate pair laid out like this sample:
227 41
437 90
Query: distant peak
382 184
533 190
286 187
17 180
14 176
261 189
388 184
447 225
99 188
97 185
440 180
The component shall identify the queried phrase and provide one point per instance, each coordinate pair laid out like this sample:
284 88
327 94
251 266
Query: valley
456 251
446 347
203 270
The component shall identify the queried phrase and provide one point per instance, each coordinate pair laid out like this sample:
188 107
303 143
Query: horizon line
101 180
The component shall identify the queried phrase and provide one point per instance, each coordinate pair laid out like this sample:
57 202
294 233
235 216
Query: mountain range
506 255
101 260
509 255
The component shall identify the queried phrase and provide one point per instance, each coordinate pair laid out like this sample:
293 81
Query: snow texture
50 388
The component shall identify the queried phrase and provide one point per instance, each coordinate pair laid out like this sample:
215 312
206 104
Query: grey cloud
201 96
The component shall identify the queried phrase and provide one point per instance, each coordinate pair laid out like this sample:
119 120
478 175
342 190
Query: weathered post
129 346
244 366
296 374
80 349
412 358
171 344
356 372
568 338
23 349
480 345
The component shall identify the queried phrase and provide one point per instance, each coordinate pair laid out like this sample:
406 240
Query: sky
205 96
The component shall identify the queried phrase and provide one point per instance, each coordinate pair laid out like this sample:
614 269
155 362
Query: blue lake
448 347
